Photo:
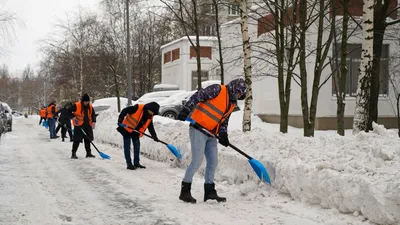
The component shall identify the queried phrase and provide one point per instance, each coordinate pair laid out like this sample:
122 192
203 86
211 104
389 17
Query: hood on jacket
153 106
237 86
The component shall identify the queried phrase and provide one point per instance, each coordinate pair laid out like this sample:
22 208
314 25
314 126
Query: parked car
156 96
8 112
171 106
165 87
3 119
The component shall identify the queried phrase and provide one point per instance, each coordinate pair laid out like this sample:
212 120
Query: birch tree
360 122
244 4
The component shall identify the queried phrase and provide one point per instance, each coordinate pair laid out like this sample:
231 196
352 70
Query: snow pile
356 174
111 102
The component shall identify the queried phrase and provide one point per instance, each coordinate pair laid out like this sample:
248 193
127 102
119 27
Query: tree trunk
364 80
398 113
198 49
246 66
379 30
280 58
341 105
221 60
303 69
81 70
116 88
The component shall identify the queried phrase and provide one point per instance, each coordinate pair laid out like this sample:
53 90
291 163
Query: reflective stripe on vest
212 113
79 114
132 120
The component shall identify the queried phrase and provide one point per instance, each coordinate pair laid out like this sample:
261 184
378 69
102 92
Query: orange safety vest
212 113
79 114
132 120
49 112
43 113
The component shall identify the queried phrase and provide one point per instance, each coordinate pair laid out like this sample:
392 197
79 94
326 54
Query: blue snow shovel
104 156
45 124
257 166
172 148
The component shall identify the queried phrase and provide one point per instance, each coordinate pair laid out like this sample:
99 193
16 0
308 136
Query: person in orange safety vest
84 122
51 115
208 110
138 117
42 113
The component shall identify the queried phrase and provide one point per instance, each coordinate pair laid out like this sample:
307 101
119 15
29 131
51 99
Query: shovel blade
174 151
260 170
104 156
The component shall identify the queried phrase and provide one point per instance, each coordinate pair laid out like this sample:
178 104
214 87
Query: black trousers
79 136
64 129
42 118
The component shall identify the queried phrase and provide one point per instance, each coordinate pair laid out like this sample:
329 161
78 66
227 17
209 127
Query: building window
205 52
353 62
233 10
167 57
212 9
204 77
175 54
210 30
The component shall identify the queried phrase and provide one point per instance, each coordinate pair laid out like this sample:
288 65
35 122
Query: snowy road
40 184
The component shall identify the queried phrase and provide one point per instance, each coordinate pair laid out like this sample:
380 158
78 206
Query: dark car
171 106
8 112
3 119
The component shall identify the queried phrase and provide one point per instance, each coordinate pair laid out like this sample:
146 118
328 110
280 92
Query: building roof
201 38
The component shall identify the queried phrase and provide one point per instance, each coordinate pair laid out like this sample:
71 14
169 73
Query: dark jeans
136 150
52 127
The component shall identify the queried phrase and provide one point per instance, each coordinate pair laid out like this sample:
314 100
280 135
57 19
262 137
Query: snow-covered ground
357 175
40 184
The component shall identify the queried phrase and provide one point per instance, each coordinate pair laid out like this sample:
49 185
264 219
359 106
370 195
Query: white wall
265 86
180 71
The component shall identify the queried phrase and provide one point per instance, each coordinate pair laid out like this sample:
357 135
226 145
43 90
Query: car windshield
176 99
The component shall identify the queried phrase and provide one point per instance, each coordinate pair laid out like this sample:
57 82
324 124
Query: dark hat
153 106
85 98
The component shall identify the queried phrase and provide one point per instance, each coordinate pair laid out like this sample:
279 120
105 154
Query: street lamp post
128 60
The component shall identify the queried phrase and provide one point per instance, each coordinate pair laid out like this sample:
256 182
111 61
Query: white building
179 65
265 84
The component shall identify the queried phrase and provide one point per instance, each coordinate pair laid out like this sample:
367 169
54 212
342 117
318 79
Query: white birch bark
364 79
246 124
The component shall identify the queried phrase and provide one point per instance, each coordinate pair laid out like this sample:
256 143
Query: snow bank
355 174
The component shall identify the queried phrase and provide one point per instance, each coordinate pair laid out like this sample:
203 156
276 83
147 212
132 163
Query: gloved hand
121 124
183 114
93 125
155 138
223 139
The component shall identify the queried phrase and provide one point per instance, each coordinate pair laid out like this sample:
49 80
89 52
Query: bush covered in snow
355 174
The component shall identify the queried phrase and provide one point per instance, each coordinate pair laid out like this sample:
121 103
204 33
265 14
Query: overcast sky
39 17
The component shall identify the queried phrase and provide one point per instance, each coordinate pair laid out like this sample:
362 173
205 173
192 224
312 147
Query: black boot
74 156
63 139
185 195
139 166
211 193
89 155
131 167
